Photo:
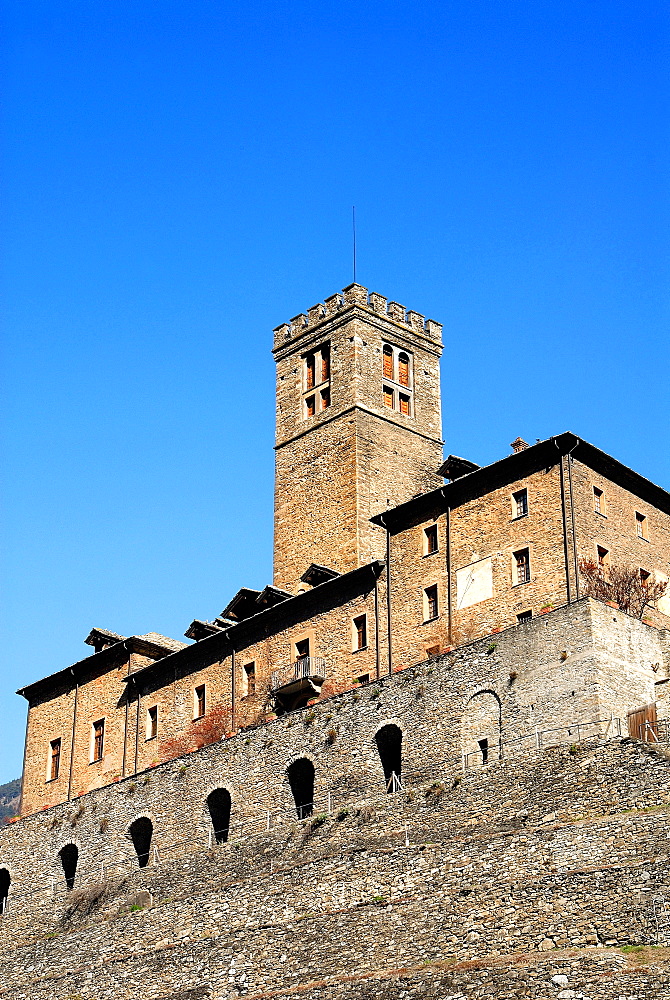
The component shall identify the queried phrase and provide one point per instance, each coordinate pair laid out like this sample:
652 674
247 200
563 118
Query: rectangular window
98 740
325 364
404 404
388 397
199 701
363 679
522 560
520 500
54 759
250 678
325 399
360 632
310 371
152 722
431 608
310 406
640 525
302 649
524 616
430 539
644 577
432 651
403 369
598 501
603 560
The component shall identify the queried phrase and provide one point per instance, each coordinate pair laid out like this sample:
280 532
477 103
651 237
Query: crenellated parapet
357 295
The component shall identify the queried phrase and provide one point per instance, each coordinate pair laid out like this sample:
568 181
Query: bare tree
626 585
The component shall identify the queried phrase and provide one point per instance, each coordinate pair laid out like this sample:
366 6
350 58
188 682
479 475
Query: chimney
519 445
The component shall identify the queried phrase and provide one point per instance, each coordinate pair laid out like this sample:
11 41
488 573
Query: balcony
293 686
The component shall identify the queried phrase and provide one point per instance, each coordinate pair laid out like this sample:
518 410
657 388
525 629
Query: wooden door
642 723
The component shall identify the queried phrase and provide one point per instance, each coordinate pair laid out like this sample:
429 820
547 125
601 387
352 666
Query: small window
310 371
54 759
325 364
404 404
520 503
598 501
388 397
325 399
360 632
603 559
302 649
431 607
98 740
430 539
388 361
199 701
403 369
644 577
522 560
152 722
310 406
524 616
363 679
250 678
432 651
640 525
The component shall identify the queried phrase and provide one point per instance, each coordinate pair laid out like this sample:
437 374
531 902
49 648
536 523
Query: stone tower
358 428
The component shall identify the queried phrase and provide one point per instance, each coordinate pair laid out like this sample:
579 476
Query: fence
322 806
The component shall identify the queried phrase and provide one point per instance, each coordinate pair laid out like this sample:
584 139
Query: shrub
201 733
331 736
436 791
309 718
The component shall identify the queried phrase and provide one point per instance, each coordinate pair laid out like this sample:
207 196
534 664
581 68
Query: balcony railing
306 666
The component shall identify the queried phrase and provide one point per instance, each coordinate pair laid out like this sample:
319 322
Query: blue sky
178 180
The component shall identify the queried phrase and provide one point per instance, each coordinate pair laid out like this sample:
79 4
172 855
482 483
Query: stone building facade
379 564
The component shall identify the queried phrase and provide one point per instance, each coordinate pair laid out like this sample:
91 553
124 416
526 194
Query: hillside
9 798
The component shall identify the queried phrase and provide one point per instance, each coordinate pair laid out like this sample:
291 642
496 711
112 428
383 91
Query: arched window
218 803
69 856
389 745
403 369
5 882
141 832
301 779
388 361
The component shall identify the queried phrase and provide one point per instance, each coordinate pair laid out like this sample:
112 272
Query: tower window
360 632
520 503
430 603
98 746
152 722
522 560
430 539
396 367
598 501
388 361
54 759
316 376
640 525
199 701
250 678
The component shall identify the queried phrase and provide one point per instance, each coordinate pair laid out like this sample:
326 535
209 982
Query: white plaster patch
474 583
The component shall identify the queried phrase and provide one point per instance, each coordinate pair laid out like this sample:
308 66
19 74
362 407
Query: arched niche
389 746
219 805
69 858
141 831
301 781
481 726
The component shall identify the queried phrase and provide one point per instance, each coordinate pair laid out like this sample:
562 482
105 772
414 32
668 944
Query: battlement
357 295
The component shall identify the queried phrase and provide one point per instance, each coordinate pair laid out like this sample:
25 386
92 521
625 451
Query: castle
427 619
